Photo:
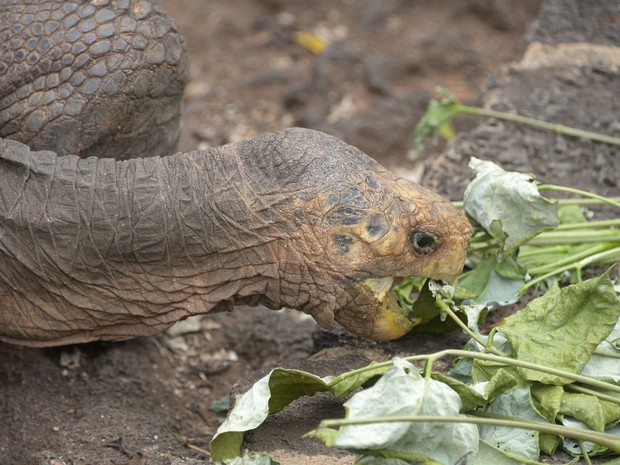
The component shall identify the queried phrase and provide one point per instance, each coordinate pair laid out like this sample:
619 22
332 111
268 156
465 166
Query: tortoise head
406 230
360 229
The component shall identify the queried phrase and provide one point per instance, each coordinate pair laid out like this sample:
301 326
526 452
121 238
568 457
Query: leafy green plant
430 417
444 107
548 376
523 239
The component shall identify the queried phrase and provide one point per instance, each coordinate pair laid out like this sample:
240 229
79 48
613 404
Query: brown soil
145 401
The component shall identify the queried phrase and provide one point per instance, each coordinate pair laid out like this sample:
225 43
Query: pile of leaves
547 377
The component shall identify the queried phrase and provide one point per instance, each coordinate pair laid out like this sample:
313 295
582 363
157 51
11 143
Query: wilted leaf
606 366
547 400
507 205
489 455
595 413
429 306
573 447
402 391
470 397
437 118
343 386
563 328
270 394
518 442
491 283
571 214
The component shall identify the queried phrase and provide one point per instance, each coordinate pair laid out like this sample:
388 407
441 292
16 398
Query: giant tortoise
106 234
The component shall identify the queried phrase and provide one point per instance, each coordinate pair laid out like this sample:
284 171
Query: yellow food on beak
392 321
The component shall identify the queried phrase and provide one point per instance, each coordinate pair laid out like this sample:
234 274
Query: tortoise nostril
423 242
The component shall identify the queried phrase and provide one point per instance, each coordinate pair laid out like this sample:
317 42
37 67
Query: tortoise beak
390 321
447 278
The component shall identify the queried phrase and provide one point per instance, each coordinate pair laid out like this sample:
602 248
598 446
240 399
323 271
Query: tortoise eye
423 242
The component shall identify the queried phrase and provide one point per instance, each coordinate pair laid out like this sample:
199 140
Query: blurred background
359 69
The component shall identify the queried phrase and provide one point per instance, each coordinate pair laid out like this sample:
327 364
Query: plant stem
575 237
601 257
571 259
584 452
608 440
572 190
470 333
591 392
522 364
557 128
556 249
588 225
585 201
490 358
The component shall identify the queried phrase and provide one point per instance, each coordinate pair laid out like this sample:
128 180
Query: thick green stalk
572 190
591 392
585 201
575 237
570 259
601 257
535 253
589 225
469 332
608 440
491 358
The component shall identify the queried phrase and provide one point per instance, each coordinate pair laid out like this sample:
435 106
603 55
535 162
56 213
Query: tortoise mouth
393 319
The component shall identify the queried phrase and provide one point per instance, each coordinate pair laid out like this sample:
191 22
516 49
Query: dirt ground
148 401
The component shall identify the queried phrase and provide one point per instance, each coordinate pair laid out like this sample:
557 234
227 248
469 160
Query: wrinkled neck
97 248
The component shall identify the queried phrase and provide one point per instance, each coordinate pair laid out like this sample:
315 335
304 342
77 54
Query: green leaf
470 397
270 394
604 363
406 288
347 383
515 441
289 385
489 455
503 381
507 205
491 282
573 447
496 373
429 308
472 284
437 118
548 443
402 391
547 400
595 413
572 214
327 435
563 328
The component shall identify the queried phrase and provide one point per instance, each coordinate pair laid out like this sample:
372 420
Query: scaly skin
104 249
